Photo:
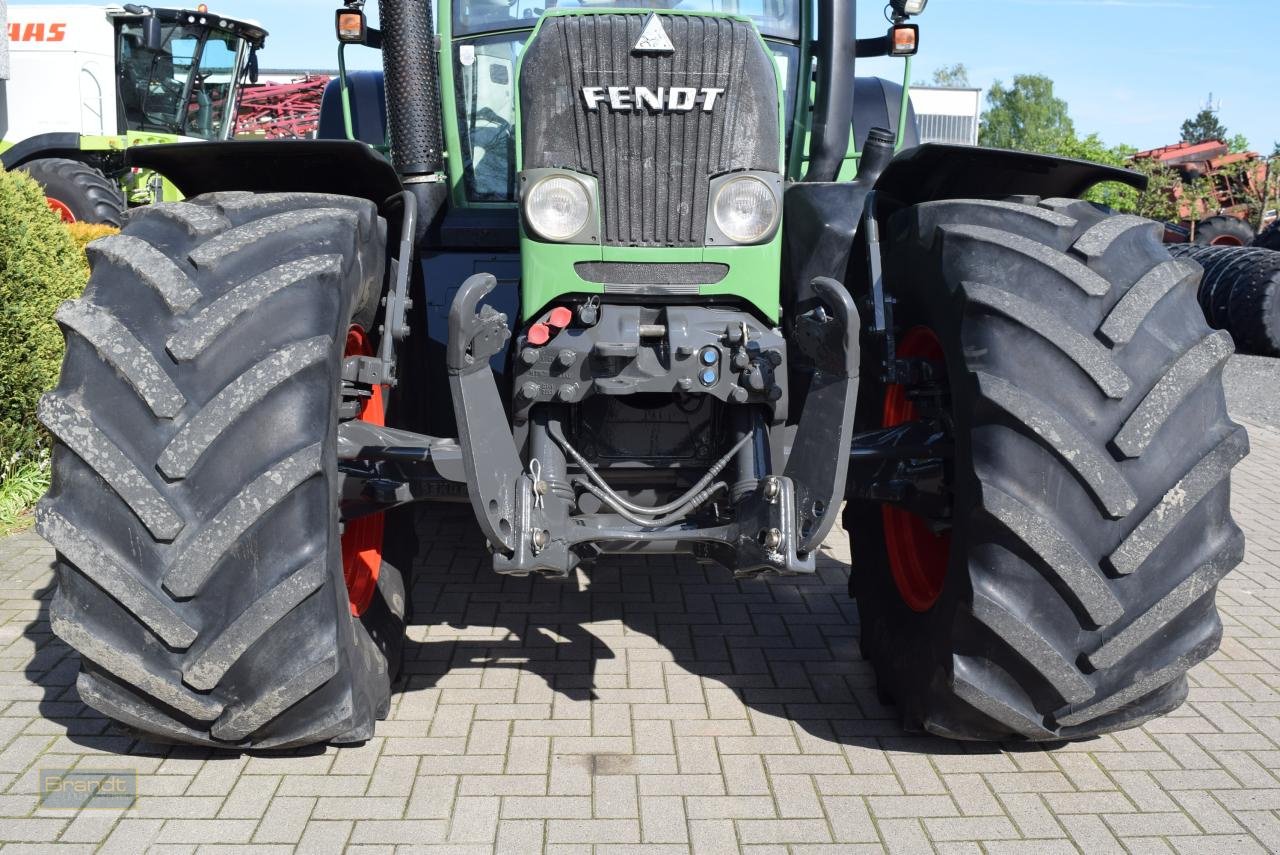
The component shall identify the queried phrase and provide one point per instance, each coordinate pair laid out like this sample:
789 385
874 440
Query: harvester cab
661 280
90 81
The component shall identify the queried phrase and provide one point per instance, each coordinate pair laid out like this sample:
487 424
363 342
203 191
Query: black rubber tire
194 505
1222 230
1240 293
1090 479
1269 238
89 195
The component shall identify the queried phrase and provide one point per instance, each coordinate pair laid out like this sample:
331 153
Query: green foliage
1118 196
952 76
1238 144
40 266
86 233
1025 116
22 483
1203 127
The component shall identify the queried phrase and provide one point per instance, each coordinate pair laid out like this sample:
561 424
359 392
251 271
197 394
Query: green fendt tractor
608 286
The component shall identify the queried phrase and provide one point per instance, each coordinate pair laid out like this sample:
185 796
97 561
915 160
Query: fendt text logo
37 32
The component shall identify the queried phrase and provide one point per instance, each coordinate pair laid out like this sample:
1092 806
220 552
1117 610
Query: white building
4 40
947 115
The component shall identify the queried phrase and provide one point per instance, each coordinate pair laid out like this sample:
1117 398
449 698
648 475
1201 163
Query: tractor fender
342 167
934 171
42 145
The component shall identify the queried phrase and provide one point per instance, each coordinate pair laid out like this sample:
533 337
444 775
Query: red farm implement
281 111
1226 211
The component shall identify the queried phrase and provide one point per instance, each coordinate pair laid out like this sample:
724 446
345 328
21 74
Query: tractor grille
653 166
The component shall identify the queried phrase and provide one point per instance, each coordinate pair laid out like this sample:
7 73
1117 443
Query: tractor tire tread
1085 378
100 198
199 572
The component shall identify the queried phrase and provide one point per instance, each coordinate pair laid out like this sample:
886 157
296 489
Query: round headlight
557 207
745 209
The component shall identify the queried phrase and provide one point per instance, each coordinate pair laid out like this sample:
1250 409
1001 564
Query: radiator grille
653 167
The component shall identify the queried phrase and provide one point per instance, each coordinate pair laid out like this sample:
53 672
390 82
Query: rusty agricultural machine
1228 215
282 111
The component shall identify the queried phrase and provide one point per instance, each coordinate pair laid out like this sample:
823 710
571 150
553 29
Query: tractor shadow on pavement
670 637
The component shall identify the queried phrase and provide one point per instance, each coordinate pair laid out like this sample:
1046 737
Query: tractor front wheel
1065 582
195 498
77 192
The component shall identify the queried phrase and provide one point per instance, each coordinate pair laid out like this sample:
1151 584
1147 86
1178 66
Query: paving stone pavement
658 706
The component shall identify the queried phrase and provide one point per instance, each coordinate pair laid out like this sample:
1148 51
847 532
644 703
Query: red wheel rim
918 557
362 537
1226 240
60 208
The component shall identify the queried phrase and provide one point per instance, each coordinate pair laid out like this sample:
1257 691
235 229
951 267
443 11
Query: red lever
560 317
538 335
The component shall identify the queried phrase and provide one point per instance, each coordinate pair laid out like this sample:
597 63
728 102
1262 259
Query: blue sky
1131 70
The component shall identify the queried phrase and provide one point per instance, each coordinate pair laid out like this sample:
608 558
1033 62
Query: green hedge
41 265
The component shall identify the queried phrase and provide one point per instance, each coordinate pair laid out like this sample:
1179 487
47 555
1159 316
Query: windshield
186 86
778 18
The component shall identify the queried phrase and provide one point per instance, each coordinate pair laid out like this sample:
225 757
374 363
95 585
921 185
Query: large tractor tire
1269 238
77 192
1073 584
1223 230
194 506
1240 293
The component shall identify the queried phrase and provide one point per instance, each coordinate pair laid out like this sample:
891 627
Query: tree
1026 115
1204 127
1121 197
1238 144
952 76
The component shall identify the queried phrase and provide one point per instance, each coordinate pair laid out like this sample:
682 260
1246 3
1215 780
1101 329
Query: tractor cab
179 72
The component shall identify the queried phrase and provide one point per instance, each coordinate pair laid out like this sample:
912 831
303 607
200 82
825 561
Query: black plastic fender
42 145
935 171
341 167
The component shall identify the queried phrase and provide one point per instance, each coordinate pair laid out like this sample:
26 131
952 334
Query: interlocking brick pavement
658 706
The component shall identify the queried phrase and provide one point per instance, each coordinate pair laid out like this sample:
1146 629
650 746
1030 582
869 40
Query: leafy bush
41 265
86 233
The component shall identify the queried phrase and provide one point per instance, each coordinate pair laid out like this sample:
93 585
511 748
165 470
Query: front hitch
489 453
530 514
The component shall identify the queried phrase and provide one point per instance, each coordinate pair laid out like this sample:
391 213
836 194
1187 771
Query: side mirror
351 26
152 33
253 65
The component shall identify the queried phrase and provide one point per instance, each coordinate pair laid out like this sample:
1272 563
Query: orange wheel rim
362 537
918 557
60 208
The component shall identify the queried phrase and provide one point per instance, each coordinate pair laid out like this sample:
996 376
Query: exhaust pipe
410 63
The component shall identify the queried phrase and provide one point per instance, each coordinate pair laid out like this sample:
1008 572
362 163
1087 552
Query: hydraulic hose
553 430
680 513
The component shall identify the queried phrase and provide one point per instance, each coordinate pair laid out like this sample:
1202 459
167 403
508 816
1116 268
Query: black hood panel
653 166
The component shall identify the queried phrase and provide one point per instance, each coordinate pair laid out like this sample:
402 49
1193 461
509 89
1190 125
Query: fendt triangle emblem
653 38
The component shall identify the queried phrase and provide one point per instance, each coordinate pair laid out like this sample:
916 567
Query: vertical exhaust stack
833 104
410 61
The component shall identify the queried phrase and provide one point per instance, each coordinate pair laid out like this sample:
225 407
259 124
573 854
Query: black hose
683 511
553 431
833 101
